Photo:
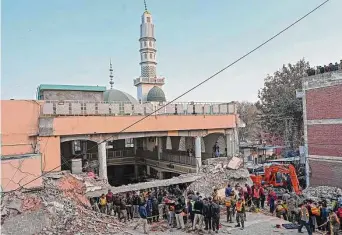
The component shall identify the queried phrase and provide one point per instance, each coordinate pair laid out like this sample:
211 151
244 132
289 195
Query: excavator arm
271 172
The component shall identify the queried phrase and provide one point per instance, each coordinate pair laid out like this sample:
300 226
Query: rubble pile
322 192
216 174
64 203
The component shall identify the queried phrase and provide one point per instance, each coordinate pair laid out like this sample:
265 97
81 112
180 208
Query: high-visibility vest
280 208
228 203
256 193
103 201
306 213
192 205
239 206
315 211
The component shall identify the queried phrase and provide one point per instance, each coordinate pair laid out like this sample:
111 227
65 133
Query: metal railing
116 154
181 159
88 108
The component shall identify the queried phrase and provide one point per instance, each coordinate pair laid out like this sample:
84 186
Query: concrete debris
216 174
322 192
63 203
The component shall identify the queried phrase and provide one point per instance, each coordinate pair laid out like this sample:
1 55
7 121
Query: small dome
114 95
156 94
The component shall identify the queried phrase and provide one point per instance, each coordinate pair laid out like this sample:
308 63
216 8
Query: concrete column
198 153
236 141
230 143
148 170
160 175
102 155
135 145
136 171
160 147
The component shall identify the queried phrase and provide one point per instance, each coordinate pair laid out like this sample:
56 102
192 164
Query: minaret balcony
146 80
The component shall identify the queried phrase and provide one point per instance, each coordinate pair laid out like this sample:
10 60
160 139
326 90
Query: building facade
120 137
322 108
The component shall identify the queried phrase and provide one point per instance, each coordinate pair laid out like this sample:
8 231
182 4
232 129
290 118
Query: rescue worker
280 210
228 190
304 219
215 213
198 210
233 200
109 198
103 203
207 214
256 196
291 209
123 209
228 204
240 213
116 202
334 223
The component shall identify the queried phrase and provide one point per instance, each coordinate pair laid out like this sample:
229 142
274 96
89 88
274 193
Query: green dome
156 94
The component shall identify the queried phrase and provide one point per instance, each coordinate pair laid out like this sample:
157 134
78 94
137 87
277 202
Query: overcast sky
71 42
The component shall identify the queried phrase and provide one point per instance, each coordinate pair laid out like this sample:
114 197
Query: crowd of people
324 69
187 209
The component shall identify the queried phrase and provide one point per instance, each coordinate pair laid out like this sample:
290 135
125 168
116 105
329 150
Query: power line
193 88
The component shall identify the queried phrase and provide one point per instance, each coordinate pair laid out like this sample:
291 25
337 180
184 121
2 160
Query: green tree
281 111
248 113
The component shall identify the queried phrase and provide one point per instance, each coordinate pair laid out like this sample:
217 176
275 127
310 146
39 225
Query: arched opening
84 149
210 141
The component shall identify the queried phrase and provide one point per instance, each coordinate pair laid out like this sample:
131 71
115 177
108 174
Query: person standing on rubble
136 203
155 211
262 197
228 190
291 209
109 198
240 214
334 223
149 209
304 219
123 209
116 203
248 195
143 218
103 203
207 215
215 213
179 207
228 204
256 196
198 211
129 206
271 198
216 150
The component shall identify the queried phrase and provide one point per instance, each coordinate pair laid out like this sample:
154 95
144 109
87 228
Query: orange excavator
273 176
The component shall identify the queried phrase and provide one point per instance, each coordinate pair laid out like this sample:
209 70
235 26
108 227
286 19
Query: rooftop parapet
85 108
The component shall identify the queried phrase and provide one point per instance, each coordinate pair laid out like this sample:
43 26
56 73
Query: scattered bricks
216 174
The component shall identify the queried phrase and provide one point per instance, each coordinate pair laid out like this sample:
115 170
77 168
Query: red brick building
322 104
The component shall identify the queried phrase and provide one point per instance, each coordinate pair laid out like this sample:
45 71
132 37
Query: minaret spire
111 82
145 5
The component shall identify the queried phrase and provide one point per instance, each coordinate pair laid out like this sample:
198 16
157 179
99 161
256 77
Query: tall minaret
148 78
111 82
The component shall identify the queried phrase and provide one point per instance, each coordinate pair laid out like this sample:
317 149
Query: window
150 44
145 44
145 55
150 55
129 143
148 20
76 147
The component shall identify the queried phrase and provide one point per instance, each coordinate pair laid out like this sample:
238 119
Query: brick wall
326 173
324 103
325 140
